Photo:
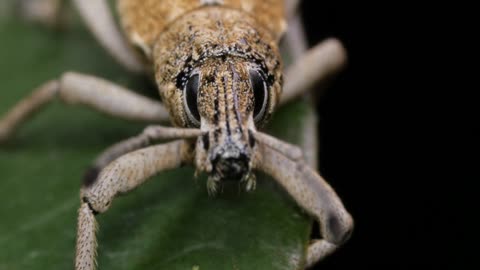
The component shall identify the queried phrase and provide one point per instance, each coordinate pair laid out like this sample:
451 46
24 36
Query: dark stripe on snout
206 141
227 115
216 115
235 80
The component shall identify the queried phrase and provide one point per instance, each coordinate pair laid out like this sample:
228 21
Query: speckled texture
109 98
86 240
149 136
314 195
130 170
121 176
210 41
145 20
221 44
26 108
80 89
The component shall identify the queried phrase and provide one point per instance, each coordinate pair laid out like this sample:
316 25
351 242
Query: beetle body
219 73
217 66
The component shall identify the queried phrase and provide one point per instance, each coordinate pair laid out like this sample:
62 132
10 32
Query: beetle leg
291 7
291 151
315 66
97 16
119 177
146 138
99 94
47 12
99 19
295 40
313 194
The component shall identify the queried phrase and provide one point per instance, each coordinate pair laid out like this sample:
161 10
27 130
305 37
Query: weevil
220 76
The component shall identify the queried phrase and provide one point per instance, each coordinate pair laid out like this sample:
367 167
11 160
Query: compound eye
191 96
260 94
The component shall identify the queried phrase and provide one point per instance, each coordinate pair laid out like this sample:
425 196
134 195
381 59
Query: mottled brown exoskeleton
219 73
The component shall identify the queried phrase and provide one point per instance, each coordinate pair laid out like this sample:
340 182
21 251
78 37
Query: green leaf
168 223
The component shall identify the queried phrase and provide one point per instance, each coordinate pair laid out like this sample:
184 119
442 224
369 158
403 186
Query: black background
395 135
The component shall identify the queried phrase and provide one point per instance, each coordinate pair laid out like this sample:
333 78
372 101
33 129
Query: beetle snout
230 162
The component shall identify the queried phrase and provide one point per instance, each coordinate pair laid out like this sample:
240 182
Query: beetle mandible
219 72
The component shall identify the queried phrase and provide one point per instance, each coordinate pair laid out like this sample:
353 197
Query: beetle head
222 75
